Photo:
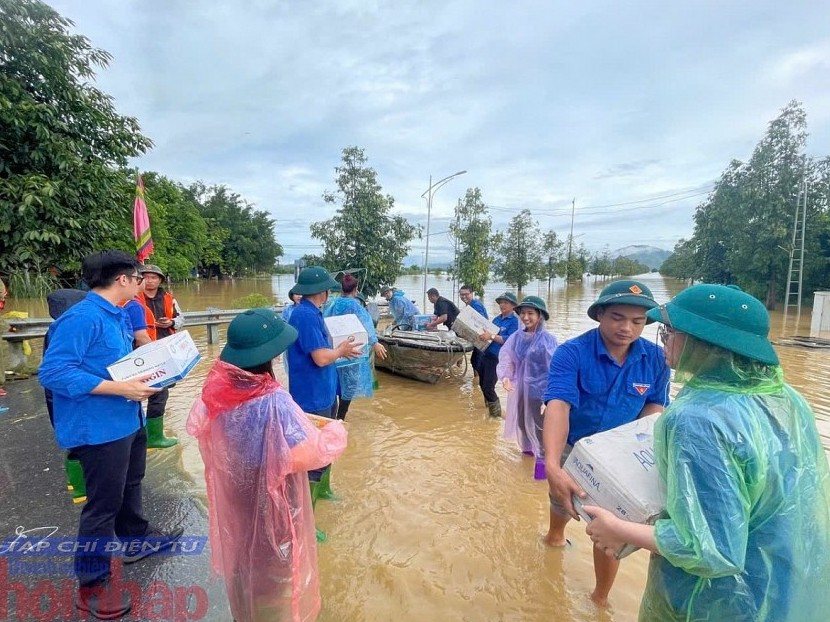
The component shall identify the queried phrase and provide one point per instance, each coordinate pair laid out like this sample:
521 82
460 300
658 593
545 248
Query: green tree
552 255
472 234
602 264
681 264
363 233
743 231
248 245
574 260
518 252
63 147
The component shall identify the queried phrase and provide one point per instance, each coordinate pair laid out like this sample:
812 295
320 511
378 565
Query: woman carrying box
747 531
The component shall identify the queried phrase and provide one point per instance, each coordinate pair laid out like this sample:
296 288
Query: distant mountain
651 256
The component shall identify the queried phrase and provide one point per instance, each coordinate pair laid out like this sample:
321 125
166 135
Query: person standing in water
598 381
746 535
524 362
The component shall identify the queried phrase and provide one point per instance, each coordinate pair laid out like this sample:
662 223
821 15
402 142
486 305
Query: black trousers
475 359
329 413
113 472
157 402
487 376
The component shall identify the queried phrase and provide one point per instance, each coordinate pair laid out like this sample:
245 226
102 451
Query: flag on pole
141 223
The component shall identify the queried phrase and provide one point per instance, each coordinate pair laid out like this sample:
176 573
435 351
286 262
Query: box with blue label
618 471
347 328
163 362
419 322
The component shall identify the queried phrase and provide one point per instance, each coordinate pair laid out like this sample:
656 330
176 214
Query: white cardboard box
618 471
167 361
469 325
347 328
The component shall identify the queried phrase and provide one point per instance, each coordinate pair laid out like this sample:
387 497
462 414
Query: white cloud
540 102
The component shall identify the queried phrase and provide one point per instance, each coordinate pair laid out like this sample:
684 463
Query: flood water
439 517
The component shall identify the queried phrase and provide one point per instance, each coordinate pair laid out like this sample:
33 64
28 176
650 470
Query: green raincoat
748 504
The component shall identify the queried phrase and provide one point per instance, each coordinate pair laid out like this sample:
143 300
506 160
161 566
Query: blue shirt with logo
87 338
313 388
476 304
603 393
507 326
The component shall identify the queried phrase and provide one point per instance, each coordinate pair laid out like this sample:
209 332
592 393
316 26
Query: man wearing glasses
598 381
101 421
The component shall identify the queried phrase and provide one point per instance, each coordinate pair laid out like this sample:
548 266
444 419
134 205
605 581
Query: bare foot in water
599 601
555 542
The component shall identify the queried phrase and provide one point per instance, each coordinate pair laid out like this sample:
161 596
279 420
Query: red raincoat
257 445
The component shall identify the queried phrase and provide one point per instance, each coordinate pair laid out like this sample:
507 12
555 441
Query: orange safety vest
169 310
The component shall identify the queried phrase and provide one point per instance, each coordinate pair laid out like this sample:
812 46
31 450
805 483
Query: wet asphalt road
35 500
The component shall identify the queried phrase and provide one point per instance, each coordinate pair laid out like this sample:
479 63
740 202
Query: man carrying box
602 379
312 376
163 317
101 421
508 323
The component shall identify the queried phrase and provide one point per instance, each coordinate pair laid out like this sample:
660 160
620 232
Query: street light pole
429 193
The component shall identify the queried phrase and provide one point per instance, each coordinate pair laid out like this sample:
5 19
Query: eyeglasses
138 278
664 332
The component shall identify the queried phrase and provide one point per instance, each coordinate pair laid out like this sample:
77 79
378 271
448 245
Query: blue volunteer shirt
476 304
602 393
138 320
507 326
82 343
313 388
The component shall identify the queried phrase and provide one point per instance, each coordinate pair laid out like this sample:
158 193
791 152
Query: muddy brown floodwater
438 516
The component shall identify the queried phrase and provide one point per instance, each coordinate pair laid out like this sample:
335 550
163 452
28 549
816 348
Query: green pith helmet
723 315
625 292
313 280
152 269
256 337
534 302
509 297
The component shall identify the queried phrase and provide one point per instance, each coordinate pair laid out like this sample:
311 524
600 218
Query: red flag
141 223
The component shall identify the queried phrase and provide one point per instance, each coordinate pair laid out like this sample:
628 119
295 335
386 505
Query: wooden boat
427 356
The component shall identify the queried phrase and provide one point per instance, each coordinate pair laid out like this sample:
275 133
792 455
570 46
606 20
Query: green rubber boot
494 408
155 435
315 494
75 480
324 486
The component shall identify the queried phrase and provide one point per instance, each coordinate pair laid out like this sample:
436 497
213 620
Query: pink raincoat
525 360
257 445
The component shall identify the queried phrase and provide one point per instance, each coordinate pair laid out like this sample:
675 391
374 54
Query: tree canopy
519 253
63 146
743 230
363 233
471 230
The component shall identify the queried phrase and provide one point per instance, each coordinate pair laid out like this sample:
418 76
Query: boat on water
427 356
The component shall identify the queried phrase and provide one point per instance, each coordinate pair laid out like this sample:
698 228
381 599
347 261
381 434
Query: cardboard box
470 324
419 322
317 421
618 471
347 328
167 361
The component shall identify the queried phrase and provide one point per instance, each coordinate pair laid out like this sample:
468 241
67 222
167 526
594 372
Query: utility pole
570 243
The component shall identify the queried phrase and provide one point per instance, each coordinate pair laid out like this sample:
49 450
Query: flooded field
439 518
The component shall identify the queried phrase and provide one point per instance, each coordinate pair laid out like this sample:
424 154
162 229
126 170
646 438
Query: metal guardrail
35 328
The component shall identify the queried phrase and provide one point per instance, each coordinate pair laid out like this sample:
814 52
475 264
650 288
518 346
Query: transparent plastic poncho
257 445
524 359
356 379
748 498
402 309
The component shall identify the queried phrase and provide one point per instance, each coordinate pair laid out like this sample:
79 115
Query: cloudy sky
632 108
